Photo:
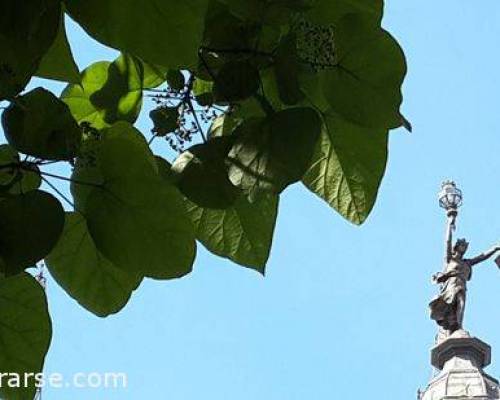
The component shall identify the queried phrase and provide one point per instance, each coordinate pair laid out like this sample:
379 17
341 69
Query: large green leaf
85 274
41 125
274 152
365 84
242 233
25 333
163 32
136 220
142 227
26 33
30 226
201 174
108 92
58 63
348 166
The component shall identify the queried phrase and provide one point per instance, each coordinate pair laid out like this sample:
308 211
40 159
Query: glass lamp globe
450 197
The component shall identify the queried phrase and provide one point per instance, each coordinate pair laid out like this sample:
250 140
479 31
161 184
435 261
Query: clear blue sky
343 310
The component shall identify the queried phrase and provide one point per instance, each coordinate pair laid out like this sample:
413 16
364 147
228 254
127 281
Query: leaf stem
63 178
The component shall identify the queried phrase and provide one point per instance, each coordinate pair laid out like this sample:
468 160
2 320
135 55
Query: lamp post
450 198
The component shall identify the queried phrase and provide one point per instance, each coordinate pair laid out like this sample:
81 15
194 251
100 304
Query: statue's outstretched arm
484 256
449 237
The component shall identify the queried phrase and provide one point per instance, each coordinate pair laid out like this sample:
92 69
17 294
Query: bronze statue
447 309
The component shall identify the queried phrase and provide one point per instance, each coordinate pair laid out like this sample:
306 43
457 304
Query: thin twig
42 162
238 51
164 91
55 189
187 100
151 140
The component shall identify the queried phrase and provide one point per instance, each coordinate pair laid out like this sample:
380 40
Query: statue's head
460 247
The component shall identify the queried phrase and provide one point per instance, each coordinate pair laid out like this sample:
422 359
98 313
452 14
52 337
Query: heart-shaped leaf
41 125
30 226
348 166
273 152
109 92
242 233
85 274
135 219
202 176
25 333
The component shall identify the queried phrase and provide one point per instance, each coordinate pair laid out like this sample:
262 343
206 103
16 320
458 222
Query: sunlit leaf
242 233
85 274
348 166
108 92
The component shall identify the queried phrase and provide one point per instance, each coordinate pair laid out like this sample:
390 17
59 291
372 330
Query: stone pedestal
460 360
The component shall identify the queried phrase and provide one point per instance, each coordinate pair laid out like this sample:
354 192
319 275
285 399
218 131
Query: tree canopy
252 95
